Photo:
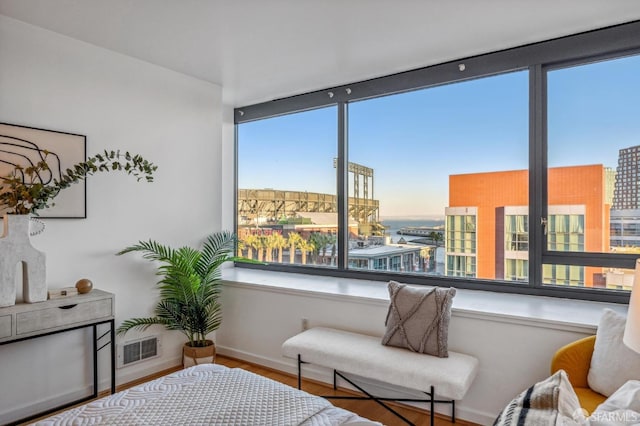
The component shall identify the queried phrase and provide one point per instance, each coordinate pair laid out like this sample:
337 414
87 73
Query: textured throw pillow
612 363
418 318
622 408
549 402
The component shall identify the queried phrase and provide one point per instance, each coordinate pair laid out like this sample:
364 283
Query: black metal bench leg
371 397
432 403
299 372
432 396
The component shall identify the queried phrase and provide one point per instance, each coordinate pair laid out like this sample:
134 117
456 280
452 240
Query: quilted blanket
209 395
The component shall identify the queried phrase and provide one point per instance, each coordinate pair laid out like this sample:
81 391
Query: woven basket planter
192 355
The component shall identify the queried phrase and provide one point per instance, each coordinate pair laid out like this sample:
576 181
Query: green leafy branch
23 191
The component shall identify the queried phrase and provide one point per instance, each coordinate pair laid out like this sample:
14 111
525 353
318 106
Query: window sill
536 311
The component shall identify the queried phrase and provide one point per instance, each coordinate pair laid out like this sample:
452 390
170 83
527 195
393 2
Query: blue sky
594 111
415 140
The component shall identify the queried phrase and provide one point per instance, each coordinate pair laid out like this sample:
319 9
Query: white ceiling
259 50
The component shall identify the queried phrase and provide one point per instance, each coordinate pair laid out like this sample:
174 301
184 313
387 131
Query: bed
209 394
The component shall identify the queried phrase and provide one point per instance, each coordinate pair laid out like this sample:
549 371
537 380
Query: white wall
513 354
53 82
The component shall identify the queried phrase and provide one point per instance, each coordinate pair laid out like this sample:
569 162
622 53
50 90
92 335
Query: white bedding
209 394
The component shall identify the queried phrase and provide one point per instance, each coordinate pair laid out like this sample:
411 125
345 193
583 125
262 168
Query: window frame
539 59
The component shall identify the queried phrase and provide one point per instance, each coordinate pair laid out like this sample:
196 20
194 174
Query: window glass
517 232
594 277
594 166
435 175
287 203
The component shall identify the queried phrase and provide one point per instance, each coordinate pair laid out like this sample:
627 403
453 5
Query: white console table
26 321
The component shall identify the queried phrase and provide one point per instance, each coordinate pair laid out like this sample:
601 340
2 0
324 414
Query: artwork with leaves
22 147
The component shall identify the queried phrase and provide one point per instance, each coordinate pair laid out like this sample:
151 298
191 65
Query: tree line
267 248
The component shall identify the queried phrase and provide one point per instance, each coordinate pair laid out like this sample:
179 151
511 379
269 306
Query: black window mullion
579 258
537 172
235 185
342 189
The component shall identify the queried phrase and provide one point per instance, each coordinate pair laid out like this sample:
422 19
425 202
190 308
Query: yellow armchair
575 359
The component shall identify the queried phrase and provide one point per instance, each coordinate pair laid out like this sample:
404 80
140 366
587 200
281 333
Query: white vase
16 248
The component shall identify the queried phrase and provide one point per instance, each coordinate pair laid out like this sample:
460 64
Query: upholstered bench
365 356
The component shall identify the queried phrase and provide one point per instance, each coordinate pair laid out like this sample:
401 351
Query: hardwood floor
368 409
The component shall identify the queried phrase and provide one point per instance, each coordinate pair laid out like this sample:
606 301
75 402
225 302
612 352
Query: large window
422 181
287 204
593 154
512 171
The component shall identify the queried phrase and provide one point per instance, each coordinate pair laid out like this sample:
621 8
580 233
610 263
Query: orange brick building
578 221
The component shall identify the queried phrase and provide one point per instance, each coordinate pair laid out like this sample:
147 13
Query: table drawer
5 326
54 317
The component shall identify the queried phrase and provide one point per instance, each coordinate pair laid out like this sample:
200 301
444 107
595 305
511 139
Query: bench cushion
365 356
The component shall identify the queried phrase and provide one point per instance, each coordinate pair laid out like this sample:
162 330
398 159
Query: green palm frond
217 249
189 285
140 323
152 250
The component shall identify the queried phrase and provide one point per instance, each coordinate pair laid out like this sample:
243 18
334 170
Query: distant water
394 225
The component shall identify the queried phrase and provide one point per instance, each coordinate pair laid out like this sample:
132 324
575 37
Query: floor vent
135 351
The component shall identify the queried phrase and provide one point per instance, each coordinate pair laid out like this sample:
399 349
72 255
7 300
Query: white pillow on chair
620 409
612 363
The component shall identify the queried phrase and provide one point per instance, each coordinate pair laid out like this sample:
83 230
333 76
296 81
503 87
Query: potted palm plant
189 292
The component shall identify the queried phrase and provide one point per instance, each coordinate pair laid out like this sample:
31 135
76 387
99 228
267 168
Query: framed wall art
26 146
